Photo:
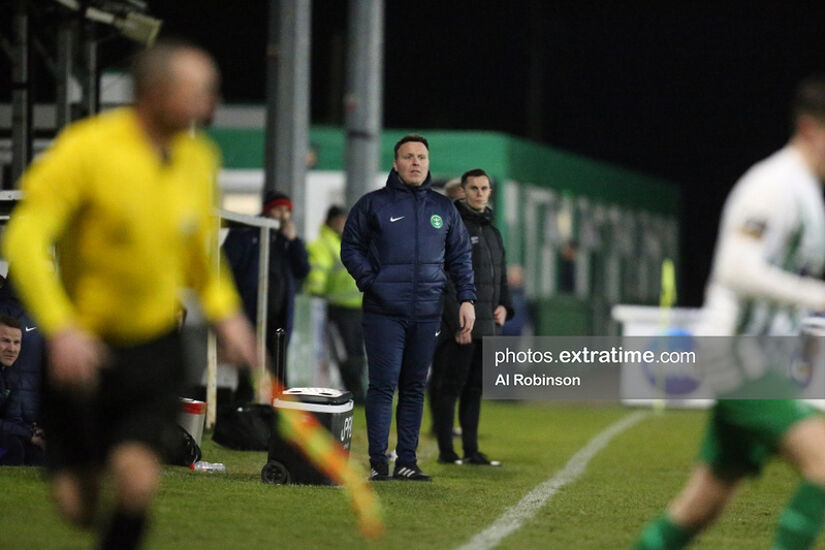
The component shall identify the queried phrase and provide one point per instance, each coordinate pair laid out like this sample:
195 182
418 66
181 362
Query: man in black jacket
457 364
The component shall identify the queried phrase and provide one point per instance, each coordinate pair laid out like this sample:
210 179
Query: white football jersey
775 214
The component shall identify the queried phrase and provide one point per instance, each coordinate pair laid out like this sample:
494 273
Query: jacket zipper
415 265
492 272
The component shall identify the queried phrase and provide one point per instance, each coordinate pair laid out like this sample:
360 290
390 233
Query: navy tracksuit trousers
399 352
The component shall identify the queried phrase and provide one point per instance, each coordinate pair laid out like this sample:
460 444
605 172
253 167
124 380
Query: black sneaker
379 471
479 459
409 472
449 458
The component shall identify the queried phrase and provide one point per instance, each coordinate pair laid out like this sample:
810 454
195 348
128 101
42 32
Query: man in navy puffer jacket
27 374
396 244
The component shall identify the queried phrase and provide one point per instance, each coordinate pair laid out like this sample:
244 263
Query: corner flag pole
667 299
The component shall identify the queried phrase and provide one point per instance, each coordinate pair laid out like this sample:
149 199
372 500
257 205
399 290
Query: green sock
801 520
663 534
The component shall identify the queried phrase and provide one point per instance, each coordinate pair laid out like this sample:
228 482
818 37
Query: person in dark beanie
288 265
457 372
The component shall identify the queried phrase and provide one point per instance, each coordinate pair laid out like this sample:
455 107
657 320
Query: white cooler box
333 409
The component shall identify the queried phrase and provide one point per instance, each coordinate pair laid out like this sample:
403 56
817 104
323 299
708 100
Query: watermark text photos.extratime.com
617 356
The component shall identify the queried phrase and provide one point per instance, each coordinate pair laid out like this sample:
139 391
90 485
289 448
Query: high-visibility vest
328 278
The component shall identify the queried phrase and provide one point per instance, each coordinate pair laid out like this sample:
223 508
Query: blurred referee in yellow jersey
126 199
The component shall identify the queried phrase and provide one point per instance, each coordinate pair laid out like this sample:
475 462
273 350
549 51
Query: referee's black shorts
136 400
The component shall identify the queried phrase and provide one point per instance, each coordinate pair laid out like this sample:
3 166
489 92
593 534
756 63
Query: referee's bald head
154 66
176 84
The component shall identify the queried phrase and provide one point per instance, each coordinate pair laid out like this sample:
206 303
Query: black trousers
136 400
346 342
456 376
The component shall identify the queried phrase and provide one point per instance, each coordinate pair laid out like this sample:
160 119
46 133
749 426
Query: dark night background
691 91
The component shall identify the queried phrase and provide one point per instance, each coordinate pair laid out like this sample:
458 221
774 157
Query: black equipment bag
249 426
179 447
245 426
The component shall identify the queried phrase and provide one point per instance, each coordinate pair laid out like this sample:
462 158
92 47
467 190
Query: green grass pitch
625 484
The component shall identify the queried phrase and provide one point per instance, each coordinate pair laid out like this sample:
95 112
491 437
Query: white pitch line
526 508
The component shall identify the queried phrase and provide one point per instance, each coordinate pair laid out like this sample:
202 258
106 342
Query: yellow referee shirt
130 229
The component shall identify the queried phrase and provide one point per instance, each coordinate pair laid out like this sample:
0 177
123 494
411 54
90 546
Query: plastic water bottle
209 467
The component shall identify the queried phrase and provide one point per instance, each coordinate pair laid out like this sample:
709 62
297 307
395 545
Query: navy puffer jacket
27 372
397 243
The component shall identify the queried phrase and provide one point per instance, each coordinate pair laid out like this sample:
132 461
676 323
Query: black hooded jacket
490 268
